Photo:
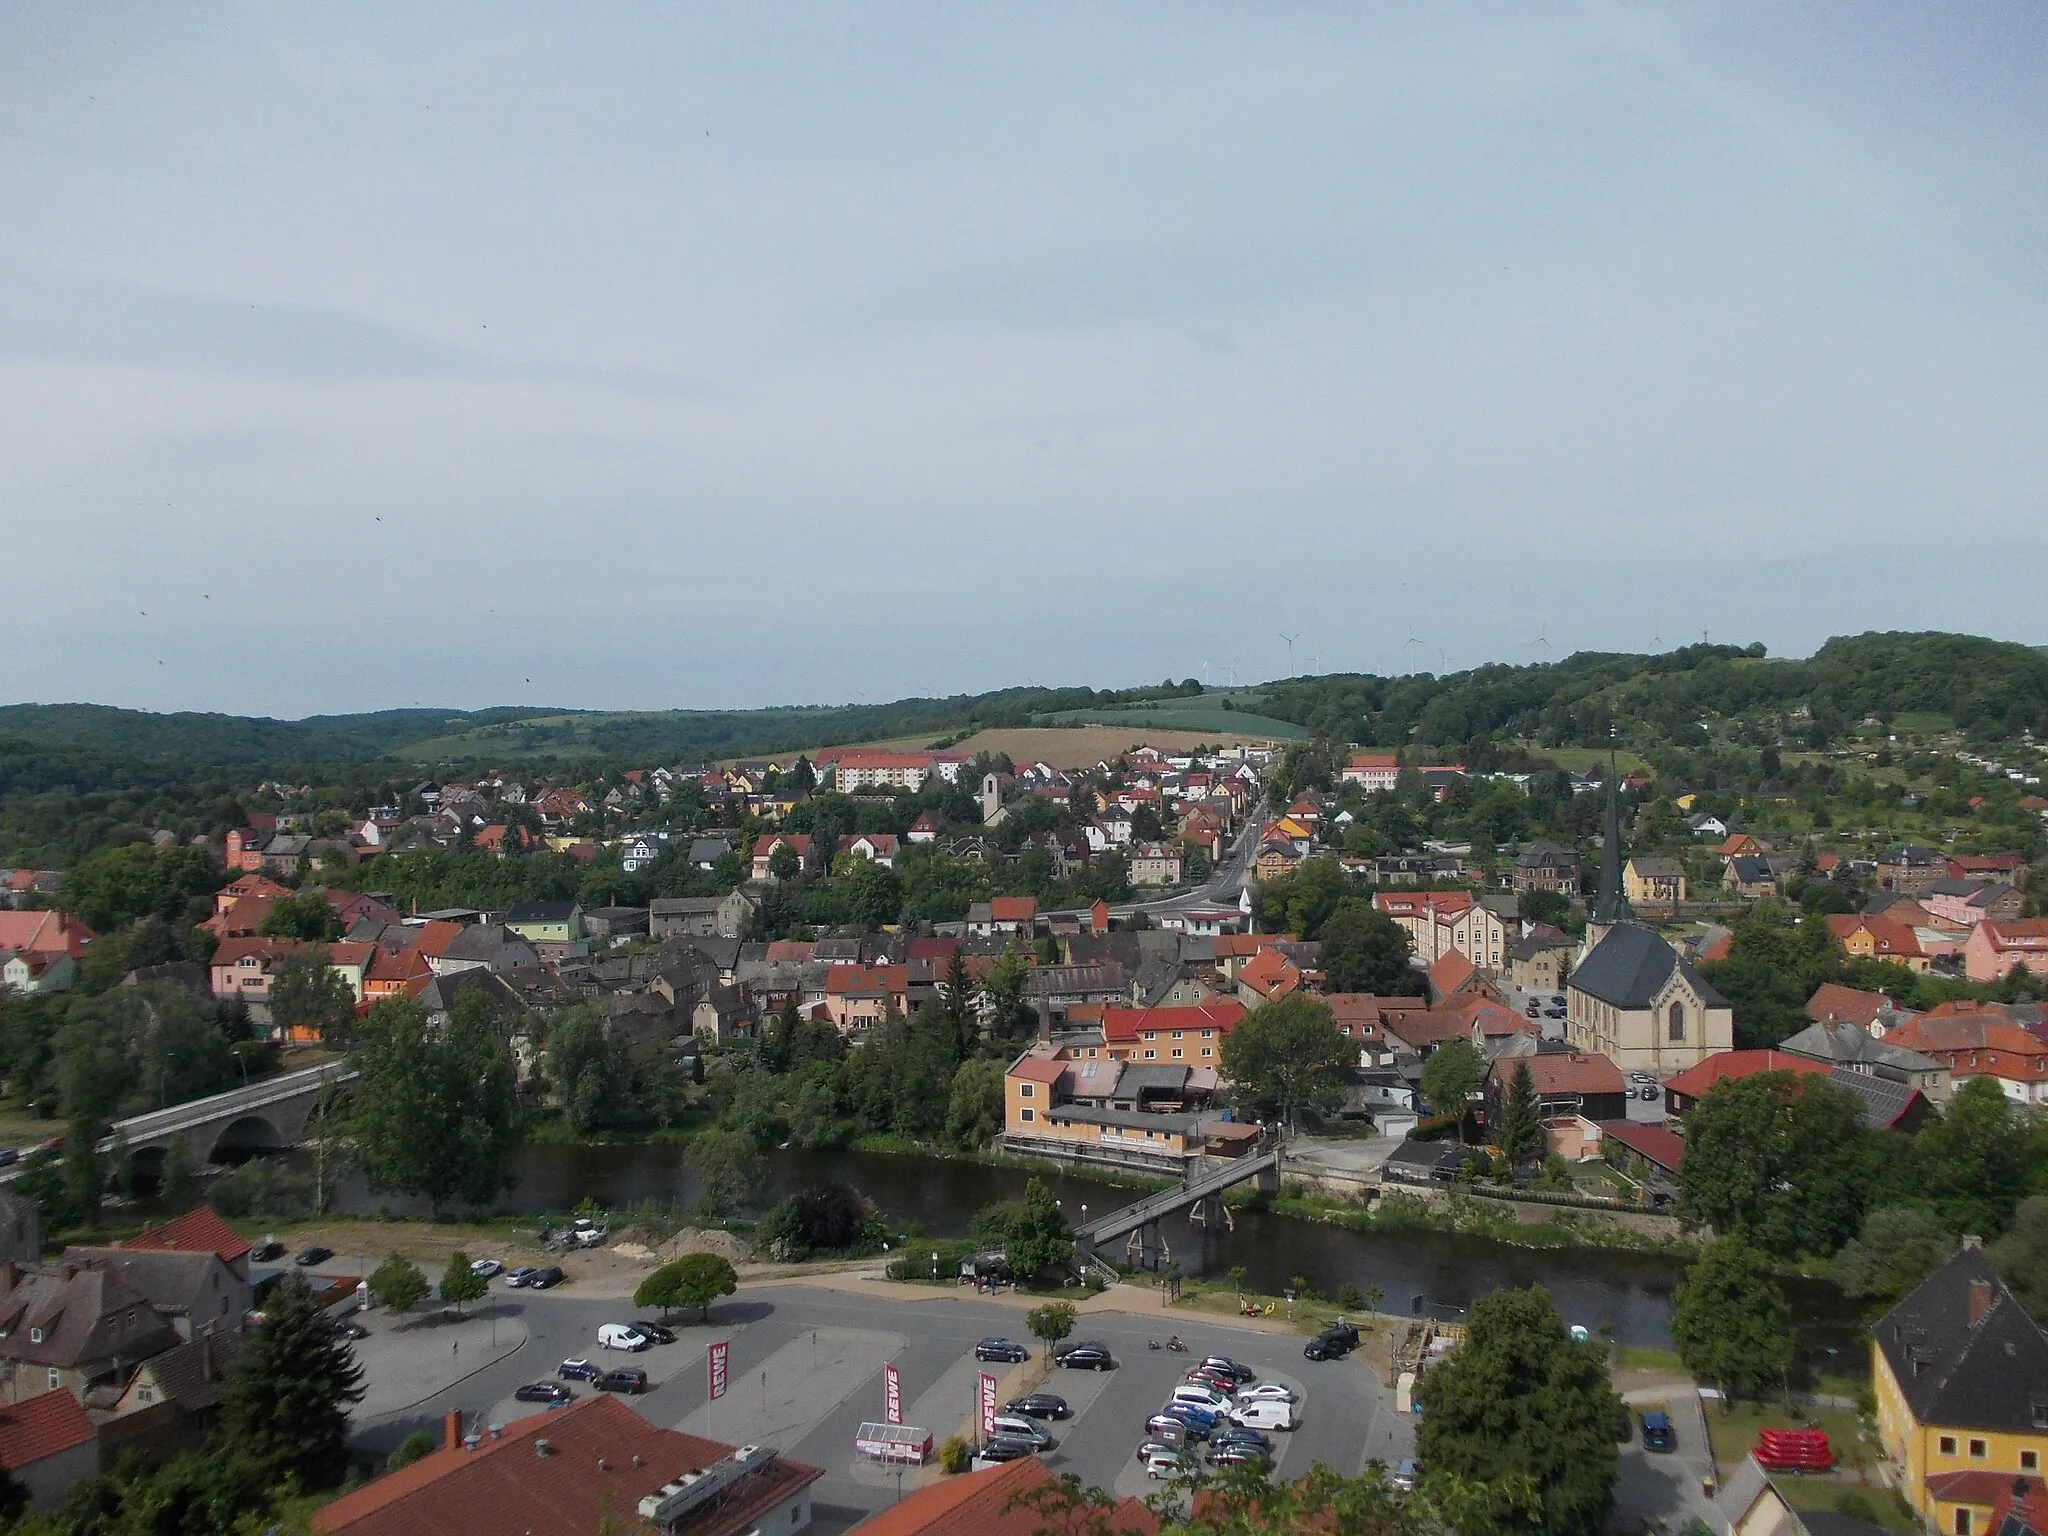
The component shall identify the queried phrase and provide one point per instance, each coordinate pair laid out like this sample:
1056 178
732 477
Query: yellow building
1960 1374
1652 883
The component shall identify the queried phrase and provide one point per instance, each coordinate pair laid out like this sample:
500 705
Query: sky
643 356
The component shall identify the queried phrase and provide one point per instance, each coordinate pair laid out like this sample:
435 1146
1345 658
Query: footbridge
260 1116
1201 1196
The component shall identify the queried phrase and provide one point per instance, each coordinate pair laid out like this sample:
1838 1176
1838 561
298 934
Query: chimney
542 1448
1044 1020
451 1429
1980 1300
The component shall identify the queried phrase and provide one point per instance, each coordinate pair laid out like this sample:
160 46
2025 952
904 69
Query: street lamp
935 1266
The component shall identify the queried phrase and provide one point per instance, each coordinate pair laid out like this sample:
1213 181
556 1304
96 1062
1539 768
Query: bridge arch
146 1169
245 1137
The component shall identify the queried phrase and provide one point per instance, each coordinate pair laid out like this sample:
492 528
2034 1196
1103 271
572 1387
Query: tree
1037 1240
1004 990
307 916
1730 1322
974 1112
1781 1161
1301 902
306 994
588 1072
694 1280
1051 1322
783 863
1971 1163
398 1284
1521 1127
1450 1077
285 1401
460 1284
1364 950
727 1168
116 887
1900 1246
1284 1055
435 1114
2021 1256
1519 1399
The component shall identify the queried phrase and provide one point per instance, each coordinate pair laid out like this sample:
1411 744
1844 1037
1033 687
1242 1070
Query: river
1629 1292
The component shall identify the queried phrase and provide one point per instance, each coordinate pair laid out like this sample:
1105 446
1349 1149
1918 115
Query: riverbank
1471 1216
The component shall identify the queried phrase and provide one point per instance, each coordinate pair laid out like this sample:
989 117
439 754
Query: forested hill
1990 689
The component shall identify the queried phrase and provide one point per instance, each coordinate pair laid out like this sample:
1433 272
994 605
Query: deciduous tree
1283 1056
435 1114
306 994
397 1283
1971 1162
727 1168
1364 950
1051 1322
1899 1246
460 1284
694 1280
1450 1077
1730 1322
1780 1160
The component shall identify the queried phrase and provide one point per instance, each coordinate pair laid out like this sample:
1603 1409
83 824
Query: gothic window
1677 1018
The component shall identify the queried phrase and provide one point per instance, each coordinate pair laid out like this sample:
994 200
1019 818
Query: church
1630 997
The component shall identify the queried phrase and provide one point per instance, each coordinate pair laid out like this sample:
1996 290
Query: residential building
1684 1089
1839 1043
1987 868
1960 1376
1966 903
558 922
1873 1011
242 968
1155 864
1752 1502
71 1325
43 937
1003 915
48 1445
1372 772
1540 959
858 997
1546 867
1879 938
1981 1045
1751 877
1193 1035
1910 869
1995 948
194 1292
1654 883
1438 922
197 1231
765 849
858 770
576 1470
1566 1085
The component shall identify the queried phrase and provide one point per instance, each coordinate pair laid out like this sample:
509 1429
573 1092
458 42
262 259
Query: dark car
1658 1435
266 1253
549 1392
578 1370
1236 1436
1039 1405
1230 1453
545 1279
353 1330
1009 1351
1331 1344
1088 1356
1006 1448
655 1332
307 1257
1199 1421
1237 1370
622 1380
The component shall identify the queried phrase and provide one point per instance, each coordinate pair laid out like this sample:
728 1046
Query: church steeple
1612 907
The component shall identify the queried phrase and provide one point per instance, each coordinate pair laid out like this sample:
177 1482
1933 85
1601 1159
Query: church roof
1631 965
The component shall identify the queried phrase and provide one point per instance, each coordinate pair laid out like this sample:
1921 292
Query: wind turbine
1542 639
1290 639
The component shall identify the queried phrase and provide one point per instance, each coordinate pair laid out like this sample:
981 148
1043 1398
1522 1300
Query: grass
1191 716
1641 1357
1478 1218
1732 1433
1825 1493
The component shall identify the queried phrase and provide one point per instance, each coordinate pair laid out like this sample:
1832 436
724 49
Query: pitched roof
1125 1024
1631 965
1964 1352
44 933
1694 1082
540 911
41 1427
1013 909
1452 970
197 1231
1560 1074
1887 937
506 1484
981 1503
1832 1000
1664 1148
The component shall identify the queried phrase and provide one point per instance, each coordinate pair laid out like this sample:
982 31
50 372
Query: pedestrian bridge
262 1116
1201 1193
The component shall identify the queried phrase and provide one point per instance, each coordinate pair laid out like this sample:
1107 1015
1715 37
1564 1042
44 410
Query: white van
1198 1396
621 1336
1264 1415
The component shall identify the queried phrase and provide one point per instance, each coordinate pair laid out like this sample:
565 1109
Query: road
806 1368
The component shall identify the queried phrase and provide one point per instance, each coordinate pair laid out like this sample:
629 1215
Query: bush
409 1450
1855 1504
398 1284
955 1456
262 1187
1350 1297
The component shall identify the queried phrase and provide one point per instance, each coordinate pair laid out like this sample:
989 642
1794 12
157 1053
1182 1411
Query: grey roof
682 906
1149 1077
490 944
171 1280
1630 966
709 850
84 1316
541 912
1129 1119
1884 1102
1750 868
1658 869
1545 856
1838 1040
1613 905
1912 853
1990 1375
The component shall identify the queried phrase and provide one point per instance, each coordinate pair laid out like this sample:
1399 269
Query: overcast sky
659 356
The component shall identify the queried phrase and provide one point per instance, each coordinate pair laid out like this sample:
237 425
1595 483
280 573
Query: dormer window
35 1335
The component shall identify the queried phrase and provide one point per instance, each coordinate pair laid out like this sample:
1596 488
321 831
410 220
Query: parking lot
806 1372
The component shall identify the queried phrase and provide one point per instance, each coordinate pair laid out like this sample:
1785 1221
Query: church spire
1613 905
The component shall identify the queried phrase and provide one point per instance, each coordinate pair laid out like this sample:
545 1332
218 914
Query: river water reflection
1630 1292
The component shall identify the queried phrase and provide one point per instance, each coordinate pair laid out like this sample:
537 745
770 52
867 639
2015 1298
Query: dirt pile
697 1240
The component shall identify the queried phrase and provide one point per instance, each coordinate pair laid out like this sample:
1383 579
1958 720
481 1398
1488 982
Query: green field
1191 716
1586 759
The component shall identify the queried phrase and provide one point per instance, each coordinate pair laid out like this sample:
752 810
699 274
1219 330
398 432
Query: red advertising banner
716 1361
988 1406
892 1395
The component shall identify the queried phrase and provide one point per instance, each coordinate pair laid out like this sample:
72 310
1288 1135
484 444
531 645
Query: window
1979 1450
35 1335
1677 1021
1947 1445
1176 1053
1175 1035
1024 1090
56 1378
1027 1116
1150 1054
1962 1522
2030 1461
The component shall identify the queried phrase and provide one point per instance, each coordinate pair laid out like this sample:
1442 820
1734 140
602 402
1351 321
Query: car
654 1331
549 1392
1168 1463
351 1329
1202 1377
1022 1428
1330 1346
576 1368
306 1258
1039 1405
1201 1395
1641 1077
9 1156
1008 1351
1533 1011
1250 1437
622 1336
623 1379
588 1235
1006 1448
1199 1421
485 1267
1266 1392
1236 1370
1173 1426
1658 1435
266 1253
517 1278
1150 1448
1088 1356
1652 1094
1232 1454
1407 1474
545 1279
1553 1013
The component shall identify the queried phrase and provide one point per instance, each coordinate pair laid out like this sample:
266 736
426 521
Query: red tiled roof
1693 1082
1888 937
2027 933
1563 1074
1451 971
1664 1148
1270 974
1832 1000
40 1427
231 950
505 1485
1037 1069
1124 1024
198 1231
44 933
764 847
1013 909
435 937
979 1504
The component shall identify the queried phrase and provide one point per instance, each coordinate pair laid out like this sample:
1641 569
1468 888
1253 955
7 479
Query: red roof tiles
199 1231
41 1427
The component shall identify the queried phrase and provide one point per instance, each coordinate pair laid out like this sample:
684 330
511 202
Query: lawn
1818 1493
1733 1433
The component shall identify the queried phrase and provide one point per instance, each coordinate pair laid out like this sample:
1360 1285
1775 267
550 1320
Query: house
1966 903
31 974
1872 1011
593 1464
242 968
615 925
1879 938
1738 845
1632 999
1981 1045
926 828
1651 1152
765 849
1566 1085
559 922
705 852
1267 977
1437 922
1910 870
486 947
44 937
1277 858
858 997
71 1325
47 1444
637 852
1193 1034
1995 948
1839 1043
1960 1375
1706 825
1687 1088
1155 864
1373 772
1987 868
193 1291
991 1502
875 847
1003 915
858 770
1546 867
197 1231
1654 883
1540 959
1752 1503
721 917
1750 877
256 885
722 1013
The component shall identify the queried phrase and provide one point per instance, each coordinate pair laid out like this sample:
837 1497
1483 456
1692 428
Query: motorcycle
1176 1346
